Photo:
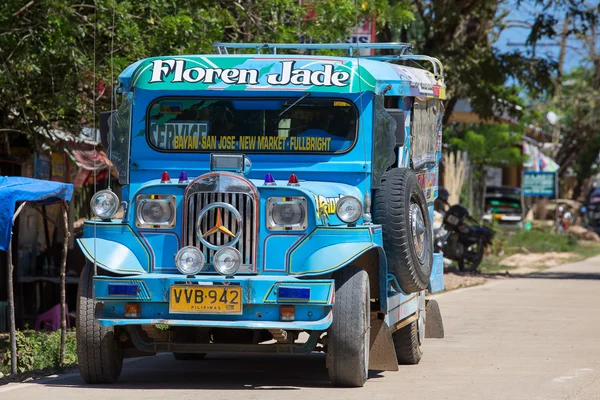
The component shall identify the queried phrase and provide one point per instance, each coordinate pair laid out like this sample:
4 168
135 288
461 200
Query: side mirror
398 116
104 125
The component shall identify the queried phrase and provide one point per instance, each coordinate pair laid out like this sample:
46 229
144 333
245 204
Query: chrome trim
144 198
238 194
224 222
273 201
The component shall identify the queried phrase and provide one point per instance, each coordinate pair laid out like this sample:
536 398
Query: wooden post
11 312
11 299
63 267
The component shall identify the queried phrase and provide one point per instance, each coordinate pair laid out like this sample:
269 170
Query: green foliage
491 145
541 241
39 350
55 55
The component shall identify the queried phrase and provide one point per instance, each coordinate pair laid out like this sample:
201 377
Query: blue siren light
269 180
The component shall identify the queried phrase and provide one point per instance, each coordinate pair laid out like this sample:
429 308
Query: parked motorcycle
461 241
563 219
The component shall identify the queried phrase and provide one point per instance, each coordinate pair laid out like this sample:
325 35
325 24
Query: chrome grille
245 205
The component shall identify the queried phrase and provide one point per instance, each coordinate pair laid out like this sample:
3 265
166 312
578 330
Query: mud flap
434 326
382 354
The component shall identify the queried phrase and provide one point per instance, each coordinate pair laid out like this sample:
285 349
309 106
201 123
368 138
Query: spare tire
401 209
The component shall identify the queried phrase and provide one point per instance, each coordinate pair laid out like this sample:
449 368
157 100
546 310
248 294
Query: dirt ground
521 264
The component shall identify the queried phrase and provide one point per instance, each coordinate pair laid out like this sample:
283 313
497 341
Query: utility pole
558 84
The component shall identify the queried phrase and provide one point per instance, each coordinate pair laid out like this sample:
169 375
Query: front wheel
472 257
349 334
99 354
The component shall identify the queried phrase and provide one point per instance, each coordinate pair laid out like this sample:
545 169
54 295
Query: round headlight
156 211
105 204
349 209
189 260
227 261
288 213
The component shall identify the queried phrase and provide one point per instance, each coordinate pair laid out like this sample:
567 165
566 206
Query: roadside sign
541 184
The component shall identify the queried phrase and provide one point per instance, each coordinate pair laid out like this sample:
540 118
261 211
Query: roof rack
402 48
438 67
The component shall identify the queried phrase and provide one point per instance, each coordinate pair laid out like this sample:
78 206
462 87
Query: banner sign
541 184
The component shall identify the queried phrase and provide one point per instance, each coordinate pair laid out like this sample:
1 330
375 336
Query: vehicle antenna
113 99
367 199
94 120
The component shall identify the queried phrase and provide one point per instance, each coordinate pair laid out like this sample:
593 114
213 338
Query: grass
534 241
37 350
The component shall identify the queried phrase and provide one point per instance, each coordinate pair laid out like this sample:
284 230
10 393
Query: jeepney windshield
296 125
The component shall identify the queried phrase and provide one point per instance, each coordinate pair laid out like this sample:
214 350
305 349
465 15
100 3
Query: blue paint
290 267
293 293
116 289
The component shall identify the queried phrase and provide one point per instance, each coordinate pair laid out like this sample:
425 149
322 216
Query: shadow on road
562 275
218 372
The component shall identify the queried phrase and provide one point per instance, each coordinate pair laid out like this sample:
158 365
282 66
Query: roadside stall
16 193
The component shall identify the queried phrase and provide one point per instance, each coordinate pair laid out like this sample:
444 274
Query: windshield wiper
294 103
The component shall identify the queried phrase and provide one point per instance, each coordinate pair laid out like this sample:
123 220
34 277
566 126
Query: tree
462 35
59 58
488 146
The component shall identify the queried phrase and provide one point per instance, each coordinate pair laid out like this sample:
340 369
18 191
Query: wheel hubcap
417 224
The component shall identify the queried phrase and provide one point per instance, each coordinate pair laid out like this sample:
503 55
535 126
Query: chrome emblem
218 226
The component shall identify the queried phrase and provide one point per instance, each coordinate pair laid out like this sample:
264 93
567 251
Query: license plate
205 299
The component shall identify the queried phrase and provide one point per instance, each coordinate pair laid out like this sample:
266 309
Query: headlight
189 260
349 209
227 261
286 213
155 211
105 204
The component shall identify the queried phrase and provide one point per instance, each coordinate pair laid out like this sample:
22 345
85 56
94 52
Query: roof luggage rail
402 48
403 51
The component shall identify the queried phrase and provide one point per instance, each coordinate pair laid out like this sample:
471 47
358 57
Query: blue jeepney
271 203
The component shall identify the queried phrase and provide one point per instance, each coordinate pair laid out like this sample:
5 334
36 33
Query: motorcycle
563 219
461 241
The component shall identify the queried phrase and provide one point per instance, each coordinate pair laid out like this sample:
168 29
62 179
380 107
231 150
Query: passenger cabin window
425 130
297 125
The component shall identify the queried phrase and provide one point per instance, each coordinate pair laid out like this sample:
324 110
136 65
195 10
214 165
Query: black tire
99 354
349 335
399 195
189 356
408 340
406 343
472 263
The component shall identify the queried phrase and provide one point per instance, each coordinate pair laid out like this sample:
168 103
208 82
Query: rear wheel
99 354
408 340
349 335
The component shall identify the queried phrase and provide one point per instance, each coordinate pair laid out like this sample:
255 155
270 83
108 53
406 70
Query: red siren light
293 181
165 178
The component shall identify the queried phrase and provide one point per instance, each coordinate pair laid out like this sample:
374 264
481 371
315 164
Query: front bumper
260 303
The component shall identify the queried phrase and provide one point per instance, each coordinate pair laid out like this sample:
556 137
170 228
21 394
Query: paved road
534 337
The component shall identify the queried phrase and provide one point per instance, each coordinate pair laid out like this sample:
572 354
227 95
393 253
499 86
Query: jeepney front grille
246 206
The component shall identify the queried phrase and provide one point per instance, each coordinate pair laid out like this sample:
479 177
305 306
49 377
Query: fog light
132 310
287 313
227 261
189 260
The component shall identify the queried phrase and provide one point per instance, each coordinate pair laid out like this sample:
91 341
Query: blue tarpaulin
17 189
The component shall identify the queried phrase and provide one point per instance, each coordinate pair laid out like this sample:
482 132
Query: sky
516 35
